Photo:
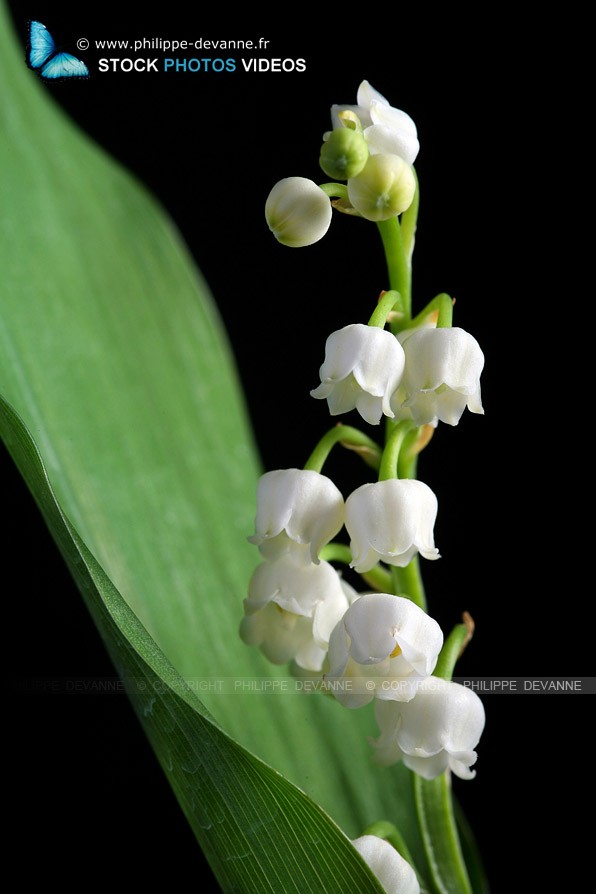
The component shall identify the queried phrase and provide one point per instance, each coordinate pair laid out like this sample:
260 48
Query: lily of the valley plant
410 372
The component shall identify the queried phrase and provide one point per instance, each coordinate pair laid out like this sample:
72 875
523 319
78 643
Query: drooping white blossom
298 212
292 607
438 730
394 873
391 521
301 504
386 646
441 376
363 367
387 130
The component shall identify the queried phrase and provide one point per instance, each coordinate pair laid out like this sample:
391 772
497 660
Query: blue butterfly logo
42 54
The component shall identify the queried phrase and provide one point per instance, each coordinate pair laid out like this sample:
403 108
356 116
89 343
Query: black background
81 777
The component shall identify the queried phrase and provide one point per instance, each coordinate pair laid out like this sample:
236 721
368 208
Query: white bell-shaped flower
363 367
301 504
441 376
437 730
386 646
394 873
387 130
391 521
298 212
292 607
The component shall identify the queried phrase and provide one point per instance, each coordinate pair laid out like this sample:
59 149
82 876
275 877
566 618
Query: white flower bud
386 645
383 189
441 377
394 873
363 367
298 212
437 730
343 154
391 521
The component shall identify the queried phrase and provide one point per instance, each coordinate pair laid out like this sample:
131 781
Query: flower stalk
346 435
388 302
393 445
418 371
453 647
408 582
436 817
398 267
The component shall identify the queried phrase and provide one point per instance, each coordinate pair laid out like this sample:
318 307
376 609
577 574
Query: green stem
409 221
393 445
439 835
443 305
377 578
385 305
433 797
335 190
407 463
339 434
408 582
397 265
452 649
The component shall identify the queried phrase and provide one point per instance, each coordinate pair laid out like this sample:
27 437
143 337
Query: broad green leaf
113 355
228 795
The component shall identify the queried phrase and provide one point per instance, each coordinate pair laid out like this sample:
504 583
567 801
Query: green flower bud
384 188
344 153
298 212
